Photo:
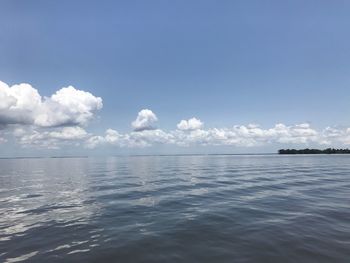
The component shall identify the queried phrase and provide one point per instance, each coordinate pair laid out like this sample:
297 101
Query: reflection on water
176 208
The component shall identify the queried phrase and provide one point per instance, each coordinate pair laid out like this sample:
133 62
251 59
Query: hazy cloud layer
22 104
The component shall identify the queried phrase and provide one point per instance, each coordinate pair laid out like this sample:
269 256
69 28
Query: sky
165 77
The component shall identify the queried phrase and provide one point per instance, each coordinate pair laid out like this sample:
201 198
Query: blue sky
224 62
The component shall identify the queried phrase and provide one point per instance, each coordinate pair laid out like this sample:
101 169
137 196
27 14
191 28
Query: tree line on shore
314 151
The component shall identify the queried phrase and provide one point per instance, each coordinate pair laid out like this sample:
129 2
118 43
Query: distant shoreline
137 155
280 152
314 151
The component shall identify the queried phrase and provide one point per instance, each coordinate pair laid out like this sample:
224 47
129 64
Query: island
314 151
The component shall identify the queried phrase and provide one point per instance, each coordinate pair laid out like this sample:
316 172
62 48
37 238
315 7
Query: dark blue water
176 209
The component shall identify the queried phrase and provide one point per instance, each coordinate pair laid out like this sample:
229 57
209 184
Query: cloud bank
32 120
52 139
250 135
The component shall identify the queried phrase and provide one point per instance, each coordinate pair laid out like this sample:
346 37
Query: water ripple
176 209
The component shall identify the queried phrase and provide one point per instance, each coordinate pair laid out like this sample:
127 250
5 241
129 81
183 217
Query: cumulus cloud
68 106
145 120
191 124
51 139
141 139
147 138
239 135
50 122
331 135
22 104
300 133
94 141
18 104
111 137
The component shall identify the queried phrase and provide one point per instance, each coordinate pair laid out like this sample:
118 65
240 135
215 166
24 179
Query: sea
190 208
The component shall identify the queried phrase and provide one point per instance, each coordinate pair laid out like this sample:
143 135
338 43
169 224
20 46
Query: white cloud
22 104
239 135
142 138
249 135
55 121
2 140
52 139
191 124
144 121
18 104
112 136
95 141
331 135
148 138
300 133
68 133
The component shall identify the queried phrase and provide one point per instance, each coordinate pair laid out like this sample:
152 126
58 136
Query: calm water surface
176 209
